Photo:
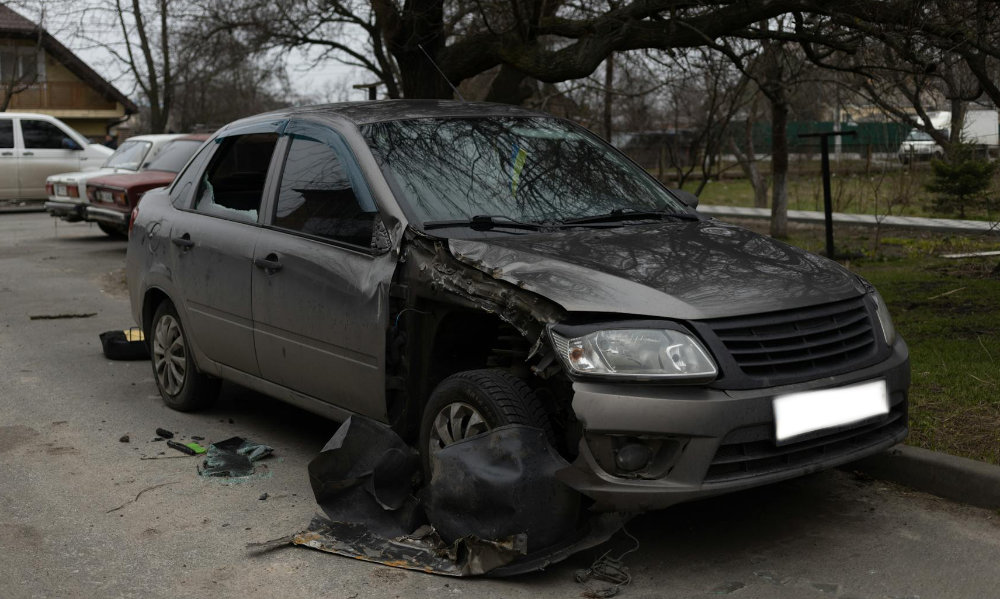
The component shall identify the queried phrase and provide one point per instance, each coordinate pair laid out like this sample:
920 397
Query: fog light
633 457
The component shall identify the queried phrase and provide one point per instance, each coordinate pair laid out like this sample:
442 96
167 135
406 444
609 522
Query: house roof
13 25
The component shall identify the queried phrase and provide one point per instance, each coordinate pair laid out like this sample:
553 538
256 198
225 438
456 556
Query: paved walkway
864 220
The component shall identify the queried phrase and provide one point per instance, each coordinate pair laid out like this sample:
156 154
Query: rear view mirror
689 199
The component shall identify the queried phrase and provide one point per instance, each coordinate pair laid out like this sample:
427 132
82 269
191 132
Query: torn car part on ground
233 457
492 505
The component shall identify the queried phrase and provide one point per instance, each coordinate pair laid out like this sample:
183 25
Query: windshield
534 169
129 155
174 155
918 135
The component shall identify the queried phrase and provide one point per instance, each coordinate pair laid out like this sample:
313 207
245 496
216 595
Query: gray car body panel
679 269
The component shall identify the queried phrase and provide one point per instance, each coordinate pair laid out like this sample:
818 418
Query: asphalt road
63 473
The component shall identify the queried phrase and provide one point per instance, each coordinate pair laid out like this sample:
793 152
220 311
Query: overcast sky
307 80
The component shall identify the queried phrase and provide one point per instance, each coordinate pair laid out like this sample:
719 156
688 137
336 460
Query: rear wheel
181 386
476 401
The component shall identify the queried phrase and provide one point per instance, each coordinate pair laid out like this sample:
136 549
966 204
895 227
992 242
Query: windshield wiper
619 215
483 222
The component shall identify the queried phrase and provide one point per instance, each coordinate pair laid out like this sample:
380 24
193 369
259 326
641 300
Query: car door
47 150
8 160
319 287
212 244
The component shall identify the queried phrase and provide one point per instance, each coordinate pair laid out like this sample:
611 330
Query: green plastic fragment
193 445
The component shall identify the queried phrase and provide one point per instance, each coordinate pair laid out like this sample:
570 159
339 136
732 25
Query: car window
129 155
43 135
316 196
527 169
233 184
6 134
174 155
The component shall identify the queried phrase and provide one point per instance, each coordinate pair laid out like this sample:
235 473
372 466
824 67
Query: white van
34 146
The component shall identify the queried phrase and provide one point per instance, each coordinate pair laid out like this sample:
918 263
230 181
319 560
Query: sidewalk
864 220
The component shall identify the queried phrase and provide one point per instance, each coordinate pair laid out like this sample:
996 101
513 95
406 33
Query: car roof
154 137
362 113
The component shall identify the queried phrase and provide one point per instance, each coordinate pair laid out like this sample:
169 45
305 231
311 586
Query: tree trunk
609 80
508 87
779 168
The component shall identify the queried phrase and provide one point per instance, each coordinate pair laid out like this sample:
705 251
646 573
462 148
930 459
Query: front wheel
181 386
476 401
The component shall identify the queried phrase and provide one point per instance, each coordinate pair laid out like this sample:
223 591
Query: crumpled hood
673 269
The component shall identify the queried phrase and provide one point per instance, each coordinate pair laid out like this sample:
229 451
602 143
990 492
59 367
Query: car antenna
446 80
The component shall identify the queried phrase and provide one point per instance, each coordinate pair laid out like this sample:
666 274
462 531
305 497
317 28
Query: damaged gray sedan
451 268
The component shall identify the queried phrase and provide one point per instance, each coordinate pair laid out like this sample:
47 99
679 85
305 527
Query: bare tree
19 64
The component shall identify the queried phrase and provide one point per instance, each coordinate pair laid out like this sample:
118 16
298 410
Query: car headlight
883 317
636 353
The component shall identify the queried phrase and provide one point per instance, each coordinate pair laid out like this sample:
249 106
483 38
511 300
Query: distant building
53 80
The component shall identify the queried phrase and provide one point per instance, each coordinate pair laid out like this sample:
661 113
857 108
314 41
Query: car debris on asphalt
470 518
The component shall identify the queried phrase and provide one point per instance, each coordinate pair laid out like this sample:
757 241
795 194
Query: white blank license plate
61 190
800 413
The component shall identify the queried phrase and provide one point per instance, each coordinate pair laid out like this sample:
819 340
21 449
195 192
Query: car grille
752 452
794 345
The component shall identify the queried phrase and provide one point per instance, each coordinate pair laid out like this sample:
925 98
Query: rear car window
6 134
174 155
129 155
233 184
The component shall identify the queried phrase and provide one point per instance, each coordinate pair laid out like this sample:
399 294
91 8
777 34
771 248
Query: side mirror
69 144
689 199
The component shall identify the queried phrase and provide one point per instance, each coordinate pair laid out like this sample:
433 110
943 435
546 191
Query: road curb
959 479
21 208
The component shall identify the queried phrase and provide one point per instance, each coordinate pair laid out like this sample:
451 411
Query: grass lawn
898 191
948 311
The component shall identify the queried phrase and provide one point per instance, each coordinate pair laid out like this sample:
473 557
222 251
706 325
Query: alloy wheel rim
456 421
169 355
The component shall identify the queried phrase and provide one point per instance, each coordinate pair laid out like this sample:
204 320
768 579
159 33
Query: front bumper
67 210
107 215
708 442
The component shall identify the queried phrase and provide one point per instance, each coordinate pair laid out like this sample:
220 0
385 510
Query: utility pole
824 144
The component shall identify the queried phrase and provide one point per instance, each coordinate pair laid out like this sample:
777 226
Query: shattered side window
316 196
232 186
528 169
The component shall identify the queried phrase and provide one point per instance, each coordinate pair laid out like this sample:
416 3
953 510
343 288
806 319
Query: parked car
449 268
68 191
34 146
111 198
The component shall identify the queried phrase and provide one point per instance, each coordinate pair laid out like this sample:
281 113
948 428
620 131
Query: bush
960 180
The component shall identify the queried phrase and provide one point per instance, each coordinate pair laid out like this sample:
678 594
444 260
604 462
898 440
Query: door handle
184 241
27 153
268 264
7 154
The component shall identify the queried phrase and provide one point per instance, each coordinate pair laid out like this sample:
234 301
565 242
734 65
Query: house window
21 64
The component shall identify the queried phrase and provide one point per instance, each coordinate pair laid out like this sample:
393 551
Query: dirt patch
14 436
114 283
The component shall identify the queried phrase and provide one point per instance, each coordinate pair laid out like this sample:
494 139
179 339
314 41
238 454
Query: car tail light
131 219
49 188
73 191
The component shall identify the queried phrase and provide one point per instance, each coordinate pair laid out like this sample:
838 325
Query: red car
113 197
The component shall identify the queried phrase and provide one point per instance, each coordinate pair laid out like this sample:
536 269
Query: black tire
496 396
181 386
112 230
